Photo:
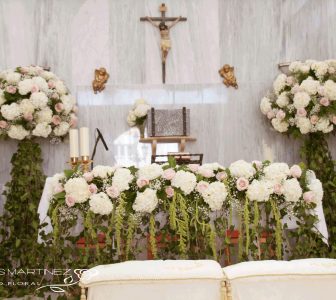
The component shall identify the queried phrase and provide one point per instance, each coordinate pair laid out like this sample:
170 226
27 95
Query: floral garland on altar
197 203
35 103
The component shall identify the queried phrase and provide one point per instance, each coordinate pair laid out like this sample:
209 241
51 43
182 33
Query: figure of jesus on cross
165 44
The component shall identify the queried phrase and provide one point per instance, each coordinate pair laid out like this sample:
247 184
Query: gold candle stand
84 163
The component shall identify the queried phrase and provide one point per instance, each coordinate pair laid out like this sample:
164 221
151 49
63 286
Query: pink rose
278 189
333 119
51 84
141 182
314 119
93 188
207 173
34 88
301 112
308 196
257 163
221 176
270 114
295 171
113 192
11 89
324 101
58 189
242 184
28 116
70 201
169 174
56 120
3 124
202 186
73 121
169 191
193 167
281 114
75 109
88 176
59 107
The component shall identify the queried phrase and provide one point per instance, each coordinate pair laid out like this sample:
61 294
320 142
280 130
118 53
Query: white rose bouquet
304 101
138 115
35 103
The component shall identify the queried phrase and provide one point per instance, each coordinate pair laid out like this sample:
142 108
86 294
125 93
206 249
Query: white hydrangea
141 110
42 129
62 129
11 111
241 168
310 86
315 186
39 99
330 89
215 195
78 189
146 202
279 83
26 106
265 105
324 125
280 125
122 178
13 77
102 171
282 100
25 86
68 103
44 115
292 190
139 101
2 97
186 181
320 68
295 66
47 75
259 190
150 172
301 100
41 83
276 172
17 132
304 125
100 204
131 118
60 87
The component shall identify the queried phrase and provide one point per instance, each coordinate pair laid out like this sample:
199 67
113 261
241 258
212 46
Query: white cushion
153 270
311 266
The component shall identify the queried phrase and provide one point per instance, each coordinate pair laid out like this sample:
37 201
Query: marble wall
74 37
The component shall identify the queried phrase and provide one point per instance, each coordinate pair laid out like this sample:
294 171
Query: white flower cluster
37 100
150 172
122 178
241 168
146 202
186 181
296 103
215 195
78 189
100 204
102 171
137 115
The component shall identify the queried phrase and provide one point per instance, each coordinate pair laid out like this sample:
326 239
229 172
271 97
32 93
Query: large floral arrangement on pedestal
305 100
195 202
35 103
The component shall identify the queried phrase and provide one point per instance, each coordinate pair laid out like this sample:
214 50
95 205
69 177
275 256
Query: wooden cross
164 32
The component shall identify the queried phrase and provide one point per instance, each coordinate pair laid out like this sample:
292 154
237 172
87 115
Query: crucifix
165 44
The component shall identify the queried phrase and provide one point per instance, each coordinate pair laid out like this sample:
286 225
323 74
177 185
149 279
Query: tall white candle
84 141
73 135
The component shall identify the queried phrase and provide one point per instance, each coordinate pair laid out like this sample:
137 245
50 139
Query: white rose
39 99
150 172
146 202
61 129
78 189
25 86
42 129
10 112
241 168
301 100
259 190
186 181
17 132
292 190
265 105
280 125
100 204
304 125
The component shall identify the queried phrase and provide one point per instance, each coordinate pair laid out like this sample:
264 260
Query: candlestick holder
85 162
74 161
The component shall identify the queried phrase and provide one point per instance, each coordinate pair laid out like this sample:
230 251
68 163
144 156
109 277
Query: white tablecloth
47 194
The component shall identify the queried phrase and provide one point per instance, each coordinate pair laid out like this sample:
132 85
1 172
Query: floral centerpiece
303 104
35 103
138 114
196 203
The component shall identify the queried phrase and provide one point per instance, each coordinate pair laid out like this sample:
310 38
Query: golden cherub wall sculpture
227 72
100 78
